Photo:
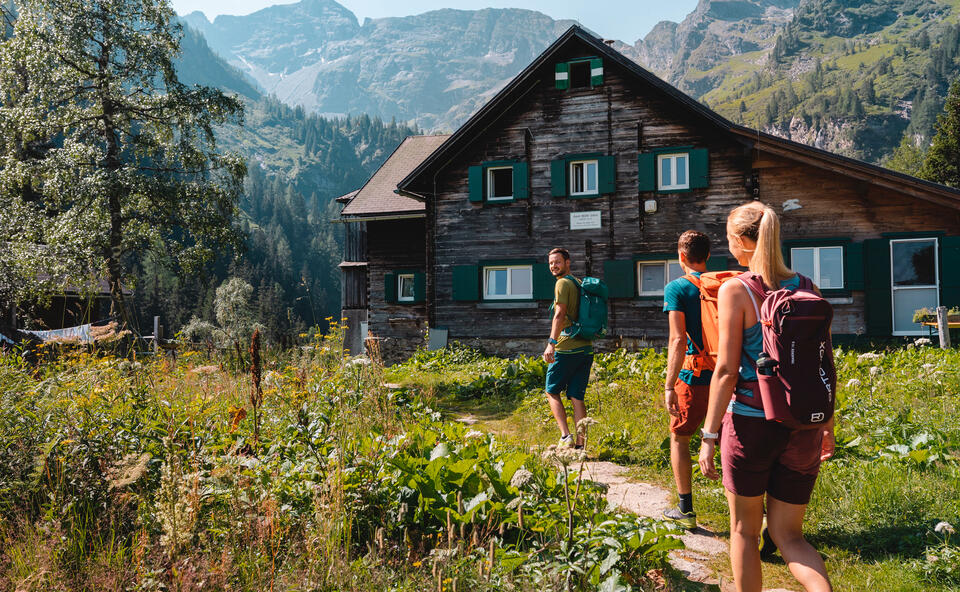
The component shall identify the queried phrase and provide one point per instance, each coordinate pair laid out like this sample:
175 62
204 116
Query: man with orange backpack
689 368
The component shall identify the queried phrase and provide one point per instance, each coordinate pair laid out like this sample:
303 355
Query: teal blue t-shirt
681 295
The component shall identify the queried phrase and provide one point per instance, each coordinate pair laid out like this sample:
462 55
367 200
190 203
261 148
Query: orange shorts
692 402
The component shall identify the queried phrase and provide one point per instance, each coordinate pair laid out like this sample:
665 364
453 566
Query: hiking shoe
687 520
767 546
565 442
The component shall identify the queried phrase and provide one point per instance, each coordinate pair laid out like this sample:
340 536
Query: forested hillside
298 164
848 76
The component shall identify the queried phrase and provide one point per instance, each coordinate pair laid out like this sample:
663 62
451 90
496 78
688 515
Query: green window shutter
853 266
466 283
419 287
475 178
620 277
596 72
718 262
562 76
520 181
699 168
558 178
543 282
389 287
876 272
607 174
950 271
647 172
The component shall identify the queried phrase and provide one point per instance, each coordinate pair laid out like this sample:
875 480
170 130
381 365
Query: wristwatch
705 435
552 341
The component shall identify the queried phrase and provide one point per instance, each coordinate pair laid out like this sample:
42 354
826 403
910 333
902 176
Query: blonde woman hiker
762 460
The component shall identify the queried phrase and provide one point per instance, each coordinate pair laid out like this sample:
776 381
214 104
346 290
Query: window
823 265
580 75
674 171
583 177
507 282
405 291
500 183
652 276
916 281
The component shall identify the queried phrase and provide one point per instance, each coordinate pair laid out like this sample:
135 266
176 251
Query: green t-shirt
567 292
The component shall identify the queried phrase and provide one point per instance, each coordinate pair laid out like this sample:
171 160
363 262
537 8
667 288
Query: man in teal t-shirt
687 387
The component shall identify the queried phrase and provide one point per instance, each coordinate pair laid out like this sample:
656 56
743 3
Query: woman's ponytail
759 222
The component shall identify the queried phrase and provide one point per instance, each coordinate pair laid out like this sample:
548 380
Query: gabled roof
378 196
520 85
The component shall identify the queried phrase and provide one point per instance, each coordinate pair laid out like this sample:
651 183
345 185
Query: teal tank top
752 346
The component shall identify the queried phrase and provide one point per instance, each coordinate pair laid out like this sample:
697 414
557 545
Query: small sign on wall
584 220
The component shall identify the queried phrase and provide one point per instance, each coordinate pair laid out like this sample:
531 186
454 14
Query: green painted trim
817 242
501 262
586 196
498 163
931 234
668 191
578 60
489 300
663 256
669 149
584 156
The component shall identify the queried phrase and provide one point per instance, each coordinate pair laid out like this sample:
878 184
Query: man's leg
681 463
579 412
559 413
785 522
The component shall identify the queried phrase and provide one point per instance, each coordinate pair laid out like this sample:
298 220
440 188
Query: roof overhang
381 217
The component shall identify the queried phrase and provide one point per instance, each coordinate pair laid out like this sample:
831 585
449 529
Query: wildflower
928 367
204 370
853 383
521 478
585 423
613 386
868 357
128 470
921 341
943 527
359 361
417 563
473 434
874 371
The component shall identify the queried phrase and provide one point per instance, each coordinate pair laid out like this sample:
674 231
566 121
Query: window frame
400 296
638 270
596 190
659 168
816 264
486 296
894 288
488 183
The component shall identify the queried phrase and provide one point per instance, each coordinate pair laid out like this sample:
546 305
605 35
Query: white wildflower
921 341
521 478
359 361
875 370
585 423
928 367
205 369
853 383
943 527
474 434
868 357
613 386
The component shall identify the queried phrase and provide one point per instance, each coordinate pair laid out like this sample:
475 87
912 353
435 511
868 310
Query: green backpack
591 320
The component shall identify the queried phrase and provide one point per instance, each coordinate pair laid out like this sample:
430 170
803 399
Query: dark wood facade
631 117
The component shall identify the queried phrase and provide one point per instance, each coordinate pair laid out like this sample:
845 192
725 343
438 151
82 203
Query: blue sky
626 20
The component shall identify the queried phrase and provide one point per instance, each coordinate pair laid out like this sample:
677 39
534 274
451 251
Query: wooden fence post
943 327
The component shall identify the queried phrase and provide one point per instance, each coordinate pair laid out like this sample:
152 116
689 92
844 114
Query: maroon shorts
760 456
692 402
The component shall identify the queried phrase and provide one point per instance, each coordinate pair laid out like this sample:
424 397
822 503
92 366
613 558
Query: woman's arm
731 302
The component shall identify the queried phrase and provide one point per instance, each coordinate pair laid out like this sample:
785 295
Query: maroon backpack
797 381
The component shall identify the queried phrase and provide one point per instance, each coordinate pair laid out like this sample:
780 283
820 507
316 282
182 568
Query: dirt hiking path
703 546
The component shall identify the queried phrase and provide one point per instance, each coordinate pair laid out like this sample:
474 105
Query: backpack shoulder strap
805 282
692 279
749 281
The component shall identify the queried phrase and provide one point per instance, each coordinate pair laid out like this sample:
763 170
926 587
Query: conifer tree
942 163
104 153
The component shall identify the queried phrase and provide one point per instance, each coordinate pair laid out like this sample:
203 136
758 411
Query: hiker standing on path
687 386
569 358
760 456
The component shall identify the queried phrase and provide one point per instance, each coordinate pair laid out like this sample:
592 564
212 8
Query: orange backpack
709 285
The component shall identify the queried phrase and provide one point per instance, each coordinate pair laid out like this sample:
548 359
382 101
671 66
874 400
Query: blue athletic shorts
569 372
